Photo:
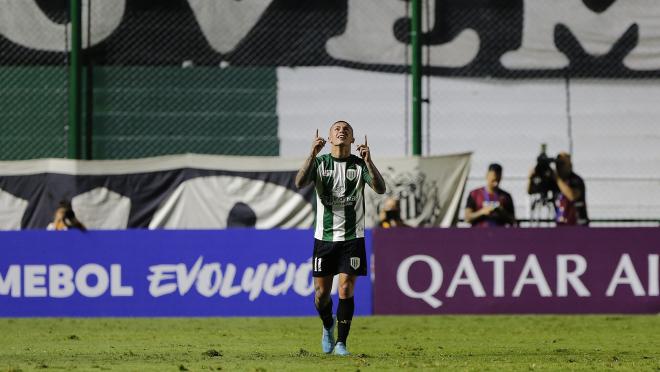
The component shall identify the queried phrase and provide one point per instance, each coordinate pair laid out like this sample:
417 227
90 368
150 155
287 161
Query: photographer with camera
562 186
489 205
65 218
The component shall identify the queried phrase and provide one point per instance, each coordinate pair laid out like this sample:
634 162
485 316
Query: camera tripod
542 210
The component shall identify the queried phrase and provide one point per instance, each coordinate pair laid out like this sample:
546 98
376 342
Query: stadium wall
612 129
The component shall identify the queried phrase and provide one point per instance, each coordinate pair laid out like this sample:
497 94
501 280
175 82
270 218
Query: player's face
493 180
341 134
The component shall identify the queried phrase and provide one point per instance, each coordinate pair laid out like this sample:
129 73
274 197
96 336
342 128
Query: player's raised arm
304 176
377 181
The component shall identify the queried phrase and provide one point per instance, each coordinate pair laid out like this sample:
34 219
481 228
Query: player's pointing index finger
365 139
317 132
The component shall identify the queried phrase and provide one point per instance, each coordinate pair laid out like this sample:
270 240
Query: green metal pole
416 72
75 82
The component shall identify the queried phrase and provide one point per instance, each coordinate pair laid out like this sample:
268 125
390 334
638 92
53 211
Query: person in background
65 218
490 205
390 214
570 201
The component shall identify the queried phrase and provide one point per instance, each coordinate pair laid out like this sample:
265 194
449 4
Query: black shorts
331 258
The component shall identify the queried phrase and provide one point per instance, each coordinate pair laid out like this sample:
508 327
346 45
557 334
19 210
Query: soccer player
339 178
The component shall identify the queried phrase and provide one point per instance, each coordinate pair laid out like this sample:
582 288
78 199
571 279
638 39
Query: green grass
475 343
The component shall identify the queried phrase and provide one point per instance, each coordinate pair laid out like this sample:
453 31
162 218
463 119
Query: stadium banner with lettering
477 271
237 272
212 192
522 38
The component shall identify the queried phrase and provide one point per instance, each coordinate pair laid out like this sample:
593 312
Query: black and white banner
210 192
517 38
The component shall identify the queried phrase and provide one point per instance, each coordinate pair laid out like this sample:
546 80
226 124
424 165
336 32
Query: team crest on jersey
326 173
355 262
351 174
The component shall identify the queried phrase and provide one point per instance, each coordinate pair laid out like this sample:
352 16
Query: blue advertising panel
239 272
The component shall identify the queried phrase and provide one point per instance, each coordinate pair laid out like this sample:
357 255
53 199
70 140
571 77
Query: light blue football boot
328 339
340 349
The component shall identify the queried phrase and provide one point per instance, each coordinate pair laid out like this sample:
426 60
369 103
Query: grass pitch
476 343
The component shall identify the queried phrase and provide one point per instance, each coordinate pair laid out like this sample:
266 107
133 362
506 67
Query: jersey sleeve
315 168
508 205
365 173
471 203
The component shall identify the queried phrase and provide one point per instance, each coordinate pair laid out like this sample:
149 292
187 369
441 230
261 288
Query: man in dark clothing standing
570 200
490 205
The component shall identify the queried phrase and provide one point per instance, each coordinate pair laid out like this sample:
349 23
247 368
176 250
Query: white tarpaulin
429 188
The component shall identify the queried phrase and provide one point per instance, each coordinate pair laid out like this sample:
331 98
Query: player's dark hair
494 167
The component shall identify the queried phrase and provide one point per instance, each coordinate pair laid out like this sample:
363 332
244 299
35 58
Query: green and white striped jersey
339 185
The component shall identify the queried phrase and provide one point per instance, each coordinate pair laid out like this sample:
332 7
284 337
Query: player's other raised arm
305 174
377 181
